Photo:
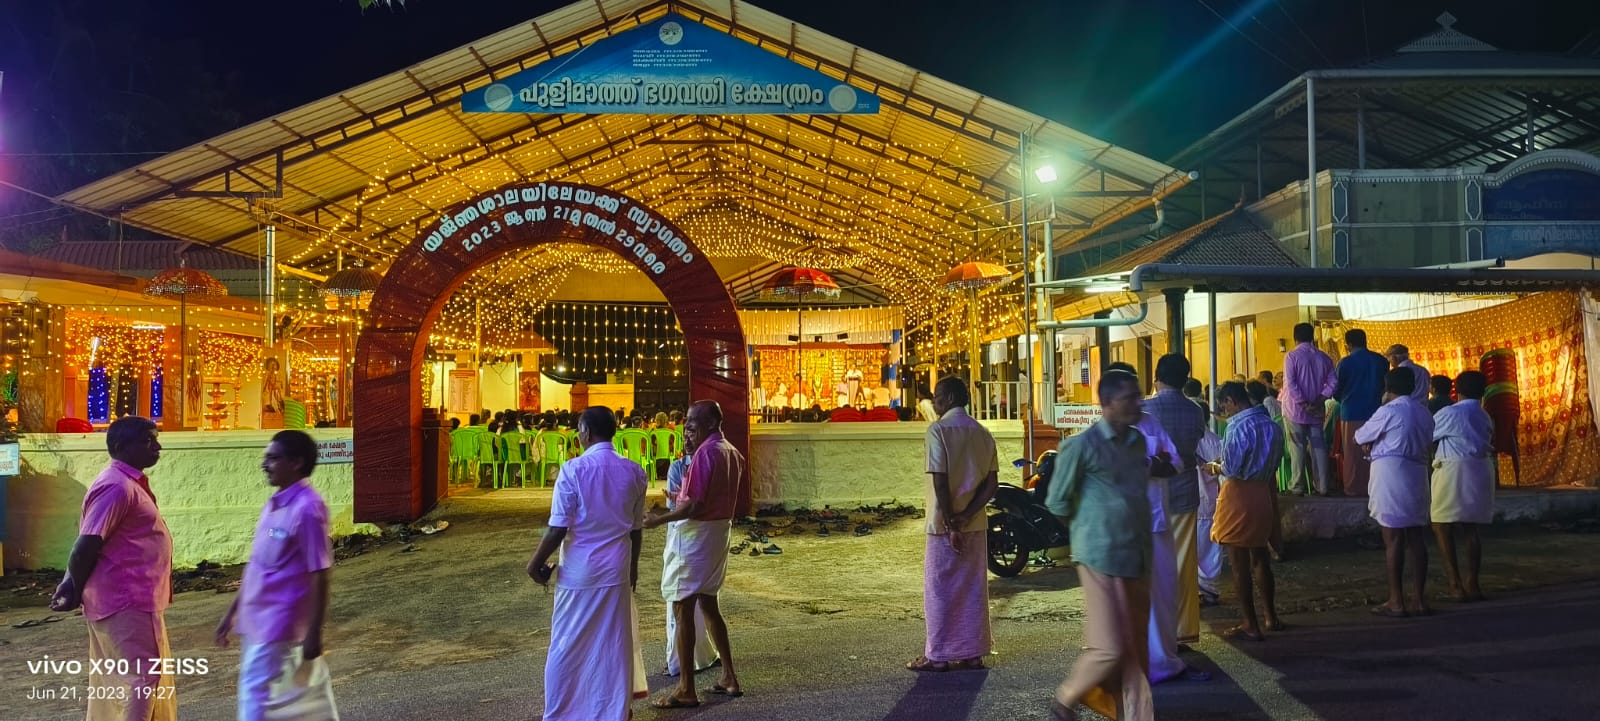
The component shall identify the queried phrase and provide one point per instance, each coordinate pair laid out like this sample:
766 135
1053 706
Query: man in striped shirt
1252 449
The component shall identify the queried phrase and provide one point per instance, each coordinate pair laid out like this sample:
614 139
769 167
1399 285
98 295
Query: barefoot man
120 571
1463 481
705 506
595 512
1099 489
1398 439
1252 450
965 473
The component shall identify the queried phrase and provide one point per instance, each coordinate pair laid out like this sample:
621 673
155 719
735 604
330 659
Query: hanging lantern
356 283
800 284
182 282
975 274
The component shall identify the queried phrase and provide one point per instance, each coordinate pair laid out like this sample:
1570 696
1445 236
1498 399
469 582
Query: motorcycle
1020 525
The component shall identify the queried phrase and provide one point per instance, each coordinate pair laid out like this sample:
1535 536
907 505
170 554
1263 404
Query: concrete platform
1315 517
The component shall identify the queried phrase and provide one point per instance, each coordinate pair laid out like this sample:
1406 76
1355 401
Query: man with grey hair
705 509
120 571
964 468
1400 357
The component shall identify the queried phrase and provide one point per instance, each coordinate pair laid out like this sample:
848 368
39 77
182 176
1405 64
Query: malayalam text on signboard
1076 416
673 66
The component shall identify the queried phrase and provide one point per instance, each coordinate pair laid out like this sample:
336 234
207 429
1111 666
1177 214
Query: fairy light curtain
1556 432
864 325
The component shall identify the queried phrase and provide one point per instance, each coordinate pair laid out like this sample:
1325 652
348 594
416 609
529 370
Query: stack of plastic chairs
294 414
1503 402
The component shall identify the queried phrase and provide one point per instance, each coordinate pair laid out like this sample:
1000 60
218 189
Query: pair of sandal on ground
923 663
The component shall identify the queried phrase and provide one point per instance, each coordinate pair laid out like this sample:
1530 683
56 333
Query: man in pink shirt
705 505
120 571
1308 383
283 599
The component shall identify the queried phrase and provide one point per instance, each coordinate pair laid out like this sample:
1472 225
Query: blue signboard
1545 195
1545 211
673 66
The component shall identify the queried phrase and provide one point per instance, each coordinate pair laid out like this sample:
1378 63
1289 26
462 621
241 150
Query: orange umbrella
975 274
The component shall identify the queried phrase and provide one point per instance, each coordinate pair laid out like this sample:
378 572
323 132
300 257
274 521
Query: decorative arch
389 355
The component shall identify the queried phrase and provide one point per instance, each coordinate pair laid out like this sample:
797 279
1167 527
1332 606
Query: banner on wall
464 392
673 66
528 391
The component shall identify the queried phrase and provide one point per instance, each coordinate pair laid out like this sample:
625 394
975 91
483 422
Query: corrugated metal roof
364 169
1446 100
146 257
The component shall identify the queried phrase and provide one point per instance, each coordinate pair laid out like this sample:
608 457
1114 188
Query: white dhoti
146 694
594 669
955 598
704 653
1163 619
1398 492
1463 490
696 559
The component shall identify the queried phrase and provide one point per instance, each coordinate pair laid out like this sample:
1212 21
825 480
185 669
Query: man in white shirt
964 470
1397 438
1463 481
594 666
1400 357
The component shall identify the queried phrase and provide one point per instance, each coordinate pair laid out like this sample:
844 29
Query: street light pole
1027 300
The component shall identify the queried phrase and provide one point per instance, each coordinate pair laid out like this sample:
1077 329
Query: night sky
1150 75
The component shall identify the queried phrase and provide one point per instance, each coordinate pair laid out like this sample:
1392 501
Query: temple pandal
454 240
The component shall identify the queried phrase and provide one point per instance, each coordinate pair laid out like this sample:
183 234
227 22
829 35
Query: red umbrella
800 283
974 274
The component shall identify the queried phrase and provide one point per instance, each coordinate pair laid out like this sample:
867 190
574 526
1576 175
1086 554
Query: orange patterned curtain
1556 433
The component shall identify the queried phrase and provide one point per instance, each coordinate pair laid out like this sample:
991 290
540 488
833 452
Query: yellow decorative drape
1556 432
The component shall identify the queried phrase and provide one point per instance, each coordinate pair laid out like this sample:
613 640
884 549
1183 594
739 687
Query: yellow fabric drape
1556 431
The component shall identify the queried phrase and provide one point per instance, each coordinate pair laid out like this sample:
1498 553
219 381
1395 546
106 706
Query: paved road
1533 655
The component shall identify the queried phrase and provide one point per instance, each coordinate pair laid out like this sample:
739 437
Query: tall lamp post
1045 174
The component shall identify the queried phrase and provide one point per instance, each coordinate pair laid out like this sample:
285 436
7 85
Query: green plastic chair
463 448
552 450
665 442
515 447
488 454
634 445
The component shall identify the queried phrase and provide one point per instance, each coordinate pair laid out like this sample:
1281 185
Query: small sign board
342 450
1076 416
10 459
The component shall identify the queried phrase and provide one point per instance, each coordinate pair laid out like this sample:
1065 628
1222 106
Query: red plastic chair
846 414
74 425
